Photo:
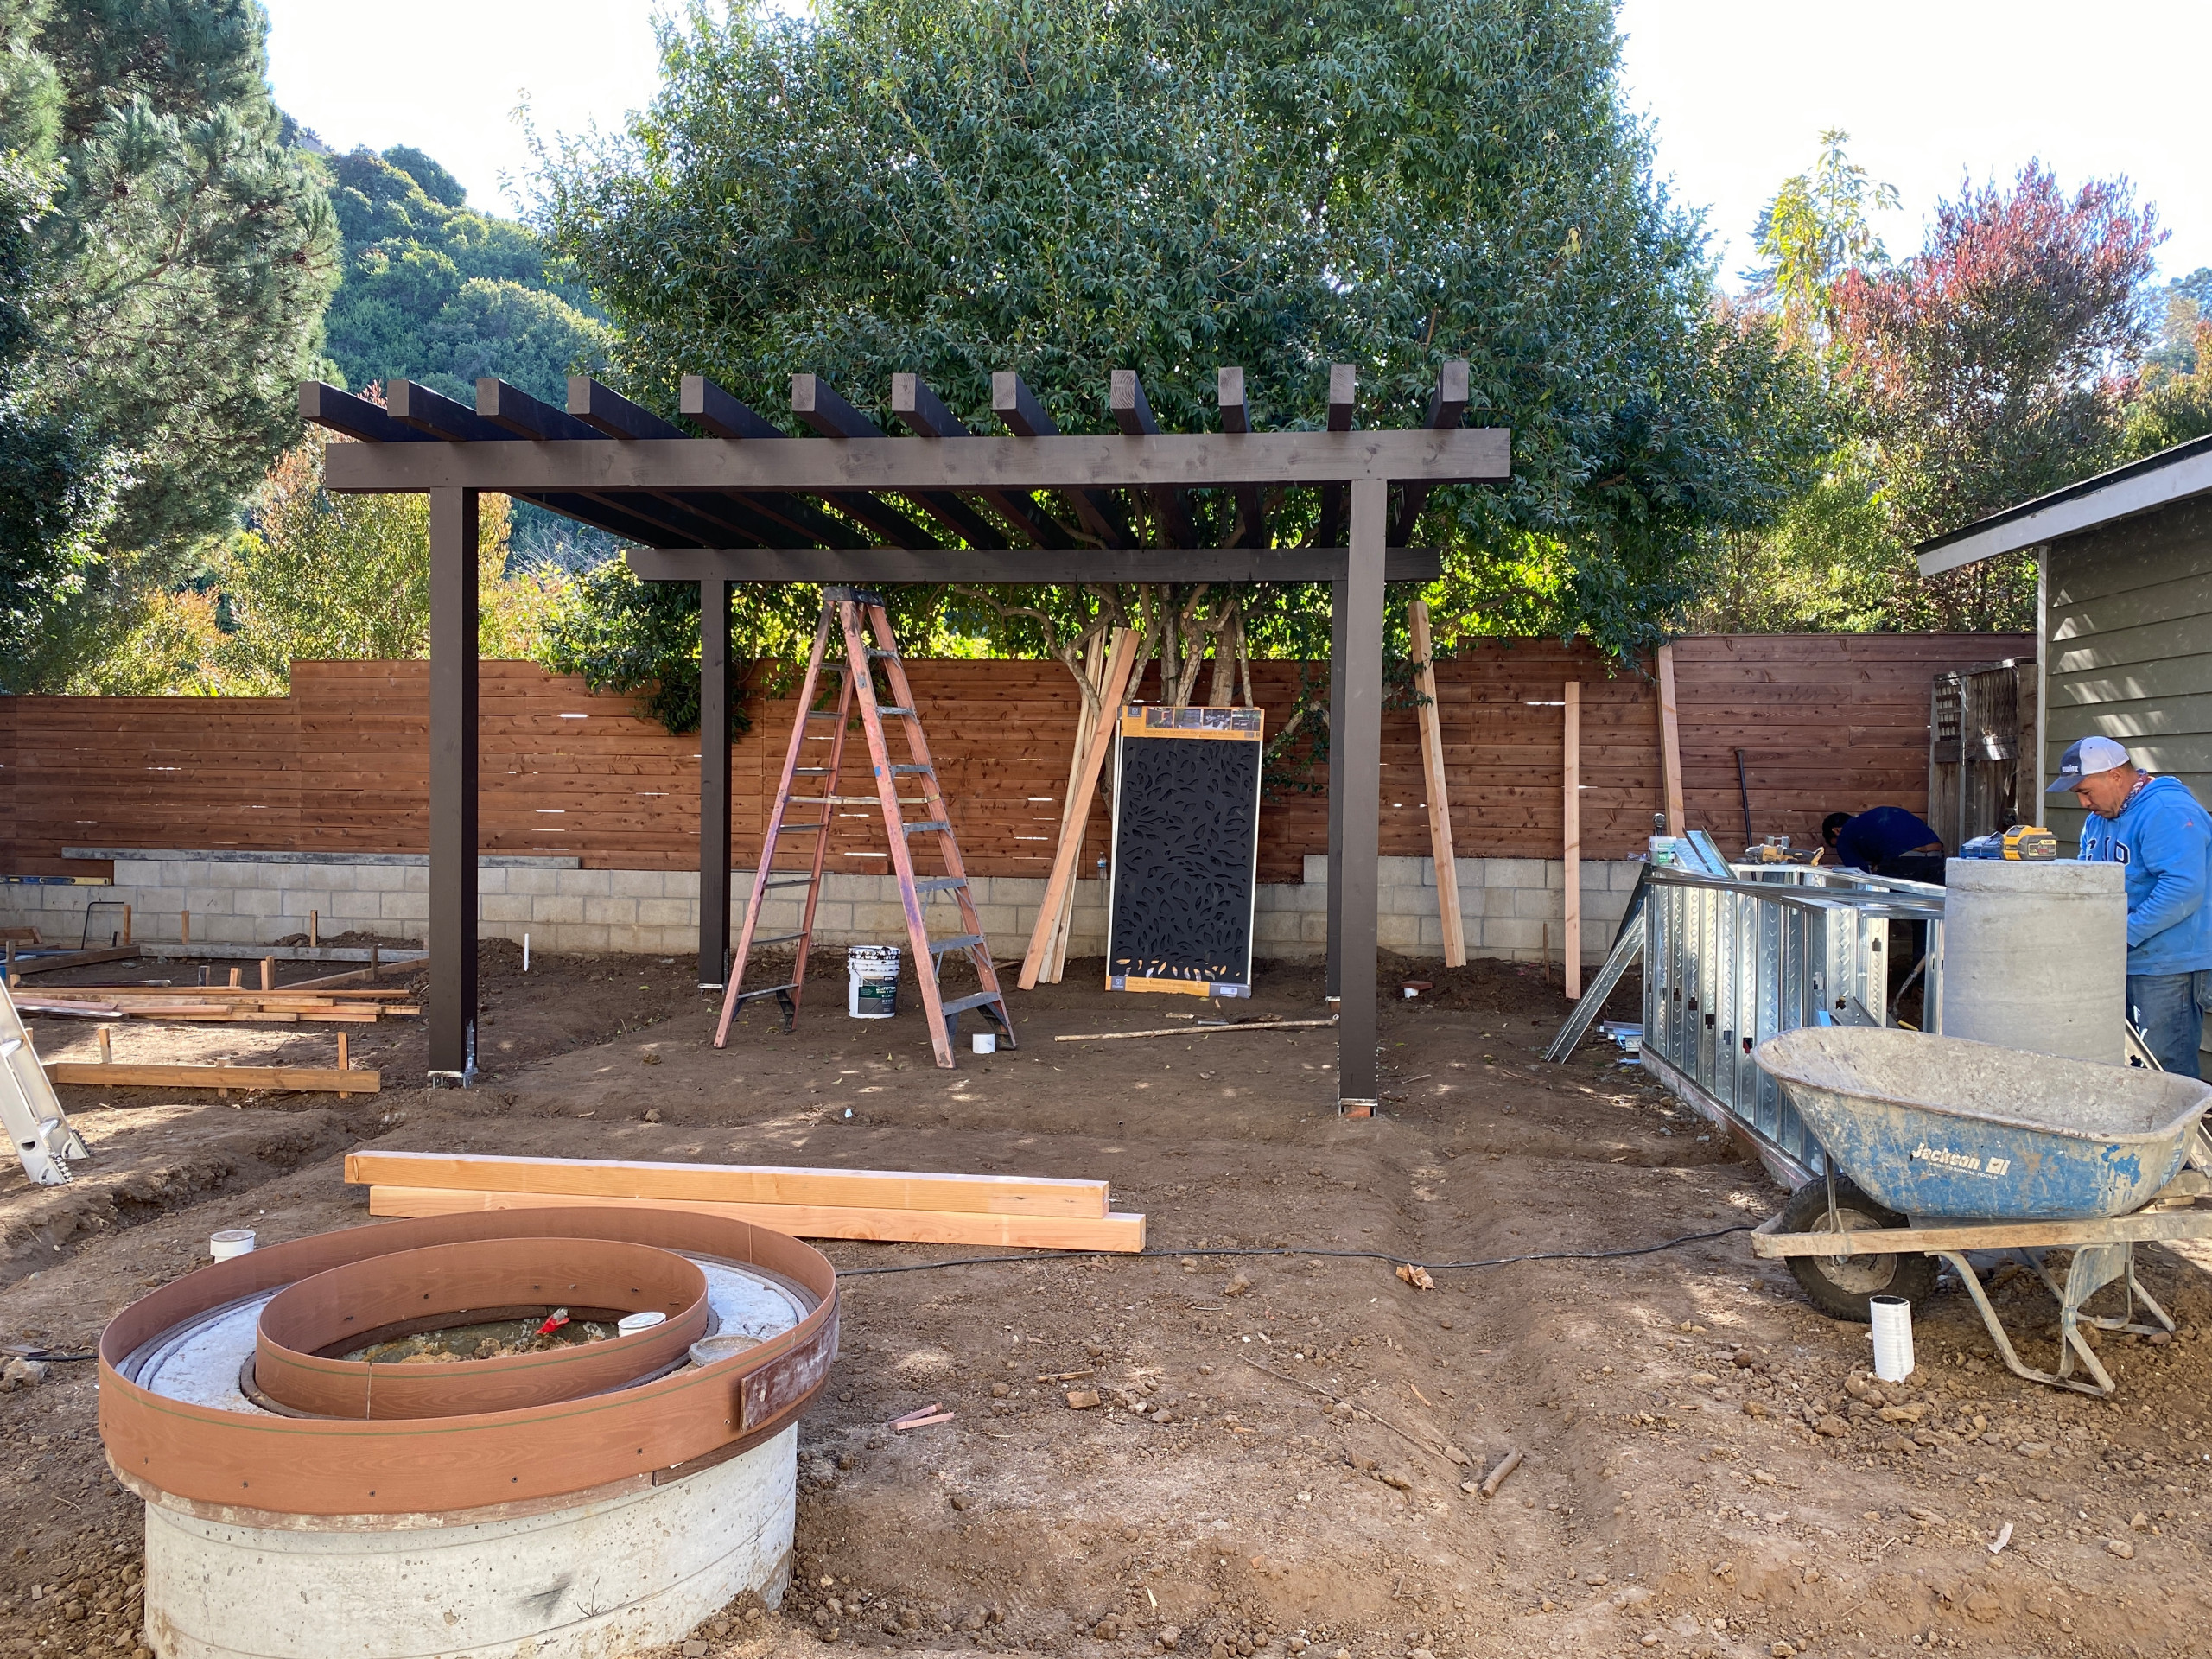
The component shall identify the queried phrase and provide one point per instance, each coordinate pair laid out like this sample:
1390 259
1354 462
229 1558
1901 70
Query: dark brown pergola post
453 786
1332 978
1361 738
713 782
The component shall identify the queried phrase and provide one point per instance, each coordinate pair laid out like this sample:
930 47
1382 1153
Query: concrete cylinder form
593 1580
2035 956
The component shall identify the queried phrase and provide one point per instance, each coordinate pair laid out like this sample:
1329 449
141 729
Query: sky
1738 91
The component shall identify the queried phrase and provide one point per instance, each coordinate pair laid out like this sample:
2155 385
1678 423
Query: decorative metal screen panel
1186 826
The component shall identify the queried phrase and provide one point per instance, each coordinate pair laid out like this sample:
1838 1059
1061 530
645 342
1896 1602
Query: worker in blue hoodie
2160 834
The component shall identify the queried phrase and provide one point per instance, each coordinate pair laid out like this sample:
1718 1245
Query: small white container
983 1042
872 982
231 1241
1892 1337
630 1324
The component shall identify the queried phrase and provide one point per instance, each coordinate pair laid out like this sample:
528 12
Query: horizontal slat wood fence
1826 722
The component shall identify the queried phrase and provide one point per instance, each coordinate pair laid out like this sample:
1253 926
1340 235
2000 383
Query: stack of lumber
339 1006
1020 1211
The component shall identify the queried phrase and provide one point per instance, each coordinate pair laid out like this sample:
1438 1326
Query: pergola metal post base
453 787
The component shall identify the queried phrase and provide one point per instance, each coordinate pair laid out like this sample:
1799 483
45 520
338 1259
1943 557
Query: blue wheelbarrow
1936 1146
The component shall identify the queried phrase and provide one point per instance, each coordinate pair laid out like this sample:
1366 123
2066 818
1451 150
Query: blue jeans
2169 1010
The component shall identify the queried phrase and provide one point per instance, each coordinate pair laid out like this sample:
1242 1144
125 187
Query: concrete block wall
256 898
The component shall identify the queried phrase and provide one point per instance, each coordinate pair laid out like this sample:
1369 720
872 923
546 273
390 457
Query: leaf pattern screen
1185 860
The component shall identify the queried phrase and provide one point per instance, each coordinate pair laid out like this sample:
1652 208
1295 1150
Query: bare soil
1705 1468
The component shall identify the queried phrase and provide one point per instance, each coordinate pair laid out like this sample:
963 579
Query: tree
437 292
180 259
1068 187
317 577
1815 230
1993 367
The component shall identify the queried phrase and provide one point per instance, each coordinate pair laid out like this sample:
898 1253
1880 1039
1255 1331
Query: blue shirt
2164 840
1880 834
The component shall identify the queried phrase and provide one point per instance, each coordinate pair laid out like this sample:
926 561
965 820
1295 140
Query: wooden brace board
1119 1233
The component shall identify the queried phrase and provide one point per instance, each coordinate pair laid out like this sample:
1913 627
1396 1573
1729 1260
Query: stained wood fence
1825 722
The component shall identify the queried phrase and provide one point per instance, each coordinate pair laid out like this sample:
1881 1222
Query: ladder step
788 881
760 939
792 829
821 714
809 772
959 942
884 709
919 828
961 1004
940 883
913 771
877 653
767 990
841 800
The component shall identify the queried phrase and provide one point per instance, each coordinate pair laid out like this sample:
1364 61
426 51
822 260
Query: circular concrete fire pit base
591 1580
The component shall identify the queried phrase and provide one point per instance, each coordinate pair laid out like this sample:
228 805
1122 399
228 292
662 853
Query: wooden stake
126 924
107 1045
1571 807
345 1058
184 933
314 930
1671 741
1439 804
1119 664
269 973
1086 721
237 983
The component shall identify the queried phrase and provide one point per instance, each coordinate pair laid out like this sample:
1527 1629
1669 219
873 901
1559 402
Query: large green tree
1068 187
177 262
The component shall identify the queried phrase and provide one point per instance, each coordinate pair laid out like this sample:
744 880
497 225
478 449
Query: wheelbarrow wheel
1841 1286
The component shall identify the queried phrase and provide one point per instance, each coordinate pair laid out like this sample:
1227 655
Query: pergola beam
817 402
1174 459
614 413
924 413
1132 414
1446 407
1237 418
1019 411
1344 400
876 564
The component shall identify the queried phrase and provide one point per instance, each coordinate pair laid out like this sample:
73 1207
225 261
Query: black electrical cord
1357 1255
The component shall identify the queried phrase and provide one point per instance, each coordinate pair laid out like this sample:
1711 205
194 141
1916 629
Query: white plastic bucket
231 1241
630 1324
983 1042
872 982
1892 1337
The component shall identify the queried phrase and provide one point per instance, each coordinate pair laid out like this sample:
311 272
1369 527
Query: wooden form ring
222 1461
306 1327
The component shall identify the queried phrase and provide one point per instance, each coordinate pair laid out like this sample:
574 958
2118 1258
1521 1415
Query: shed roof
2140 486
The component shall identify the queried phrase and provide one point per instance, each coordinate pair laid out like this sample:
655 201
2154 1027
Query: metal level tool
44 1138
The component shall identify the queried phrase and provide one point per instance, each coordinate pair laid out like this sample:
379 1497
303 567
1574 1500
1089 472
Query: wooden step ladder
859 615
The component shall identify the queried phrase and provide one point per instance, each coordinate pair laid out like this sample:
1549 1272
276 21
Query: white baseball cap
2084 758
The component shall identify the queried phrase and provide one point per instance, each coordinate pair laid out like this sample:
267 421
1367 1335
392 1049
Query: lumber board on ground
1671 741
1435 784
118 1074
750 1183
1116 1232
73 959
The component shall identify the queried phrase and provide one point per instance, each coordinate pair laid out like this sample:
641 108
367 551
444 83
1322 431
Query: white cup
630 1324
984 1042
231 1241
1892 1337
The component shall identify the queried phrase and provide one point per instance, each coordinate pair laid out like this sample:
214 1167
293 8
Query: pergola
748 503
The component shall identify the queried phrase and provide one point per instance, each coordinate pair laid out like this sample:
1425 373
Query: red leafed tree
1992 365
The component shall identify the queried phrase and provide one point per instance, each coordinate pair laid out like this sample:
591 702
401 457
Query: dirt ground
1705 1469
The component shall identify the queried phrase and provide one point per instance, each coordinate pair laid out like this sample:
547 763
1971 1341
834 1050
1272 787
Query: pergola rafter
749 503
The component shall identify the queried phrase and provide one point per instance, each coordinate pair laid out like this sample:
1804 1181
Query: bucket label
1965 1162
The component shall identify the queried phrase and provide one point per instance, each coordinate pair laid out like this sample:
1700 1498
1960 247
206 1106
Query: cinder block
503 907
208 901
581 937
340 878
1537 903
1406 872
587 884
827 916
1622 873
534 880
1316 870
612 913
1511 934
490 878
557 909
258 901
1399 933
669 913
637 884
1313 929
1513 873
633 938
142 873
406 906
379 878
